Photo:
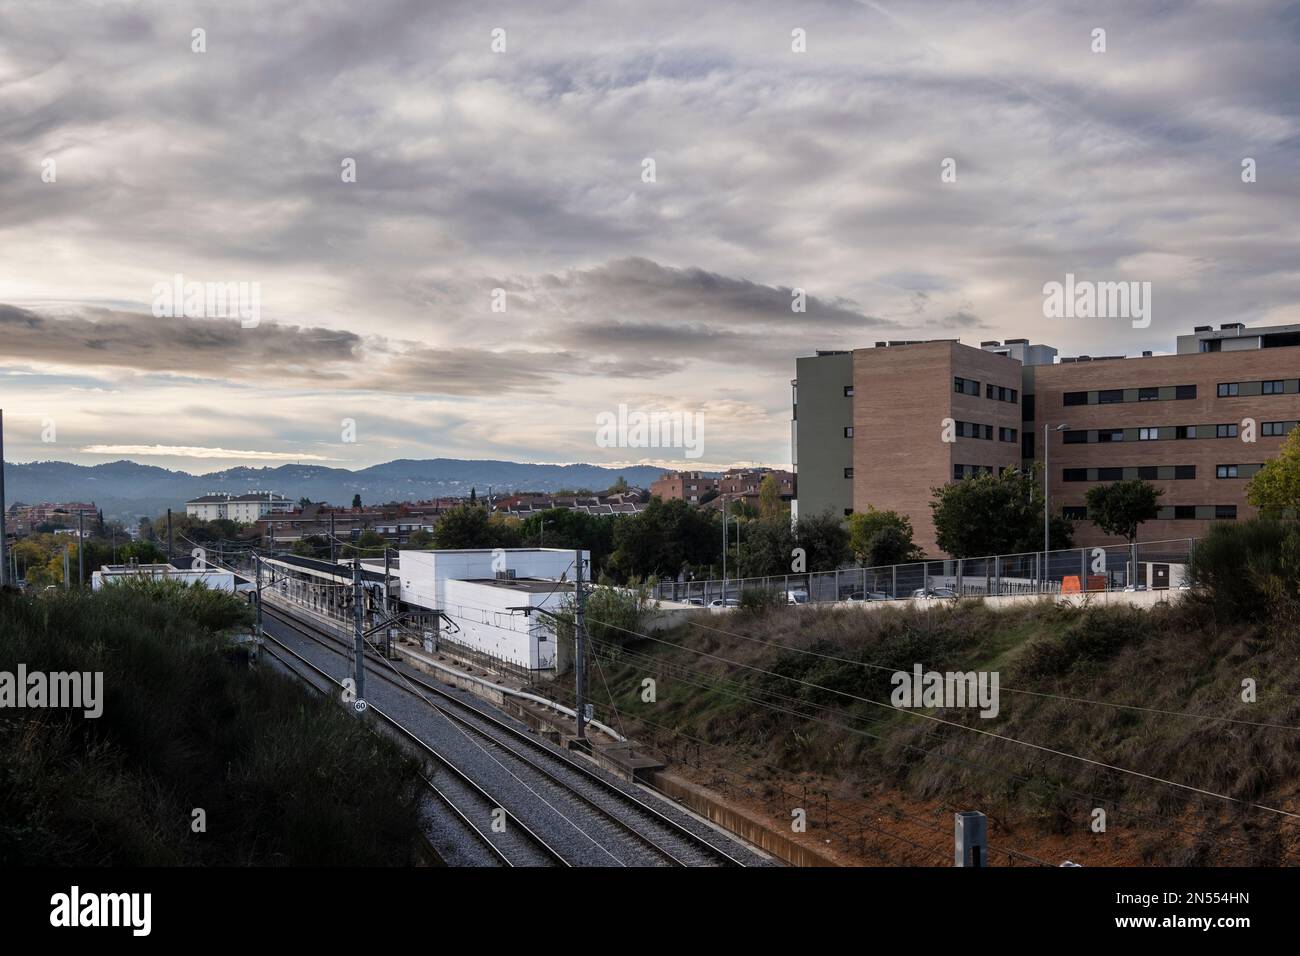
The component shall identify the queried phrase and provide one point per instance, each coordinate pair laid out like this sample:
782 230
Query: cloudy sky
127 158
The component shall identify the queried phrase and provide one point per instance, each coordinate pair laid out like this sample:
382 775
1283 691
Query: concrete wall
821 451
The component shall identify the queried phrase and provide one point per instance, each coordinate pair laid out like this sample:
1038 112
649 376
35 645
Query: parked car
868 596
729 602
698 602
796 596
934 593
1136 587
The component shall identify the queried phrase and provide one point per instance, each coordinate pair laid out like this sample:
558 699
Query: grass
283 776
1178 658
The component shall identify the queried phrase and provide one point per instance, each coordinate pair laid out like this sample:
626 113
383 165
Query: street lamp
1047 471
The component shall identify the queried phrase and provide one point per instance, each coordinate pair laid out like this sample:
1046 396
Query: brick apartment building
882 426
689 486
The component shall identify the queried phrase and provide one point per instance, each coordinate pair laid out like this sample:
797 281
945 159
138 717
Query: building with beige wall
1196 424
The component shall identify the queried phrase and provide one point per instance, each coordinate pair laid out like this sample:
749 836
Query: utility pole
388 629
579 650
724 550
356 630
81 548
333 555
4 570
66 574
257 560
169 535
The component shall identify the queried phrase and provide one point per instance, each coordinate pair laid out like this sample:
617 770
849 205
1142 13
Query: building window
965 386
1273 388
1007 434
1076 437
958 472
1277 429
1148 434
1075 513
1185 431
1229 389
1225 471
1110 435
1110 474
848 472
1225 512
1148 472
1184 512
1075 474
1184 472
847 512
1225 431
1148 394
1075 398
1183 392
848 391
848 431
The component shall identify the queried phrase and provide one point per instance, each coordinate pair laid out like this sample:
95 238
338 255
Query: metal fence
1158 565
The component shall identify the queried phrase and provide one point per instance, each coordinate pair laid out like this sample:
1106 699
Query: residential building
881 427
245 508
690 486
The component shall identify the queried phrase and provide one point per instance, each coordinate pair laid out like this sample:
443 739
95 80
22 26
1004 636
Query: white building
484 592
245 508
209 577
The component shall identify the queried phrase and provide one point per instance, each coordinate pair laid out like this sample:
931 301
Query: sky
504 266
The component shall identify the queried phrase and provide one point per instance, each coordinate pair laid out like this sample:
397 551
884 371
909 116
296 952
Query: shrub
1250 570
761 600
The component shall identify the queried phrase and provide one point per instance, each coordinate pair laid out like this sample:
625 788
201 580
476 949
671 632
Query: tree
618 487
1275 489
420 540
312 546
304 502
473 496
766 548
882 537
1119 509
356 502
994 514
665 538
824 540
469 526
770 507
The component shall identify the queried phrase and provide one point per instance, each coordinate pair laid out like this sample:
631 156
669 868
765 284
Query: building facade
245 508
689 486
881 427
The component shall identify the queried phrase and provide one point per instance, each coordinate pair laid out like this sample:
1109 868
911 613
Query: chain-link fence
1153 565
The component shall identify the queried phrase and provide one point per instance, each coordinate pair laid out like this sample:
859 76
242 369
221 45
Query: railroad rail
668 841
517 845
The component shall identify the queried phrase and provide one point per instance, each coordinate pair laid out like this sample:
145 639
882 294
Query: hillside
127 490
775 708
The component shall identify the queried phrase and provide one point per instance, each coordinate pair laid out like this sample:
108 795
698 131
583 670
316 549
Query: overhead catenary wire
1003 687
976 730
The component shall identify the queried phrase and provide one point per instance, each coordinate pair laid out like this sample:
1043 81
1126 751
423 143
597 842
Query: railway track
465 800
554 775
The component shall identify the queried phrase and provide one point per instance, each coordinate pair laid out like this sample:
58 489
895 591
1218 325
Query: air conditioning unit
506 575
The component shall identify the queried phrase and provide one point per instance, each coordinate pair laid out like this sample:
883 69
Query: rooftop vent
1146 354
985 345
1203 328
1016 342
1233 325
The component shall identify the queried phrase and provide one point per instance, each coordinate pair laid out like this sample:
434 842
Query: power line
953 723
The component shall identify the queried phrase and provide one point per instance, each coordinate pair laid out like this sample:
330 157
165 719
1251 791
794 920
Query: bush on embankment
282 775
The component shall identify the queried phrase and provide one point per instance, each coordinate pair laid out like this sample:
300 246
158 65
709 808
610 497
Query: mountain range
127 490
